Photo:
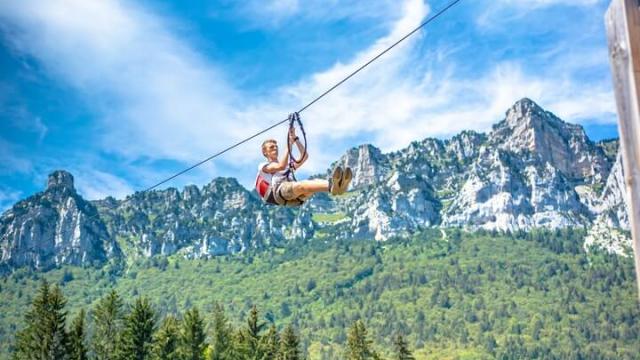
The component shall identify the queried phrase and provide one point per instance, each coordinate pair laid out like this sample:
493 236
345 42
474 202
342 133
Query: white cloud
162 100
401 98
367 102
158 97
94 185
570 100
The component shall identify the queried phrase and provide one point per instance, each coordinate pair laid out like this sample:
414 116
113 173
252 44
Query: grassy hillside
467 296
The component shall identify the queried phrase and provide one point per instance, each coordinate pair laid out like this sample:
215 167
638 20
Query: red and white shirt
264 179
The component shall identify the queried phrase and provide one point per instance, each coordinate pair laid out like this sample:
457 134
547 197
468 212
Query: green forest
482 295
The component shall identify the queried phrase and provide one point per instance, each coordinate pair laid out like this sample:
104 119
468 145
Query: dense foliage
139 338
482 295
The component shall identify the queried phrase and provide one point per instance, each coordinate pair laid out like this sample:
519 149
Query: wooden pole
623 32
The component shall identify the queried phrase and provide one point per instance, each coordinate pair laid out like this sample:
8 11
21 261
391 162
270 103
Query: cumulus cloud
159 99
401 97
348 110
147 84
94 185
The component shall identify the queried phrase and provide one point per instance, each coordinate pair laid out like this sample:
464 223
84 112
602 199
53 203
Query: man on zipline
275 182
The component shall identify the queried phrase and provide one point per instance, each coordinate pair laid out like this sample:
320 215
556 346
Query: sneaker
343 185
334 181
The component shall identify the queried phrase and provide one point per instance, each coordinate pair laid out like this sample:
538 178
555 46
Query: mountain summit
55 227
60 179
528 128
533 170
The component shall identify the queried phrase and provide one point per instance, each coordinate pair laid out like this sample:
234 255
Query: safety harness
267 190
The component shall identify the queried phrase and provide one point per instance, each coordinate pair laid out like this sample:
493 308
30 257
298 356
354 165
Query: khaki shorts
283 193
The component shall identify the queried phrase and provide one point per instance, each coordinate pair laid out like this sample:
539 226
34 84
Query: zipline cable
430 19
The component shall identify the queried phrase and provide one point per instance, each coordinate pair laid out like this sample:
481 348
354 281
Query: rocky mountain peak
538 135
525 108
60 179
526 126
222 185
533 170
54 227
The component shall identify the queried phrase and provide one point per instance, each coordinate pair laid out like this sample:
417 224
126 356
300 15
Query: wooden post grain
623 31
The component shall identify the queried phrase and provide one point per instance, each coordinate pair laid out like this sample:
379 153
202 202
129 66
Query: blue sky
125 93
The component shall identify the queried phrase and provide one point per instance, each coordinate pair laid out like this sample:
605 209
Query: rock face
613 207
528 130
530 173
368 164
532 170
54 227
58 227
611 226
220 218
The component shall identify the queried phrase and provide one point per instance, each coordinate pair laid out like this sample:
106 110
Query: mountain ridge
531 170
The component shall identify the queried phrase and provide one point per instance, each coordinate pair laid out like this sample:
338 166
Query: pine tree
251 336
167 340
137 337
402 350
31 337
270 344
289 345
358 346
44 336
222 342
108 320
235 350
192 336
77 347
57 325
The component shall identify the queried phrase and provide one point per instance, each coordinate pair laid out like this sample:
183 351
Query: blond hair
264 145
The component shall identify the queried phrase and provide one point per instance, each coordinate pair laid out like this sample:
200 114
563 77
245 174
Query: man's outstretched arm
274 167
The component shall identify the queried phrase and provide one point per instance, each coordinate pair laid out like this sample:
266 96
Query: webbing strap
294 118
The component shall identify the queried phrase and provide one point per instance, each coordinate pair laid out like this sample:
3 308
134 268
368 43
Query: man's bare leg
307 188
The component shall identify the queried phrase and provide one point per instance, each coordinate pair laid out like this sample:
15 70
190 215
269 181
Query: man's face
271 150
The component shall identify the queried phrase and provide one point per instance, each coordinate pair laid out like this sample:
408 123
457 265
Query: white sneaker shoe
343 185
334 181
